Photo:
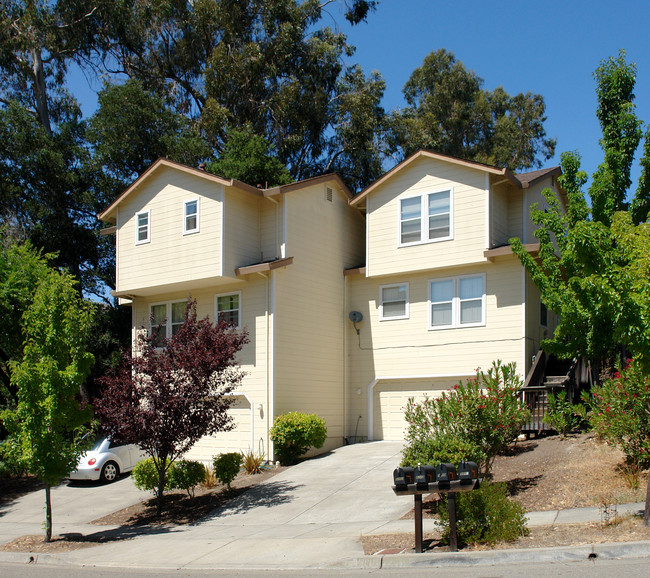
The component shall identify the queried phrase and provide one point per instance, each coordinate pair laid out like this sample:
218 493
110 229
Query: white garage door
390 402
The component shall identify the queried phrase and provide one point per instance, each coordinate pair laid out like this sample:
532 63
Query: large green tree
48 424
591 266
449 112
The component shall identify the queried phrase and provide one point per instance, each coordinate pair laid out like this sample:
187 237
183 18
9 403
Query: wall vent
329 194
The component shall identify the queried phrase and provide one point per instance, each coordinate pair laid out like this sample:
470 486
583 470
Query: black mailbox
468 471
424 475
403 476
446 472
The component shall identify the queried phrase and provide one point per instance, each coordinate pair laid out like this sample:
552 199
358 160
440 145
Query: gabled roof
532 177
521 180
281 189
108 213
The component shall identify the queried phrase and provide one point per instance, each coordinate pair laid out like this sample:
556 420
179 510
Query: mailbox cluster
440 478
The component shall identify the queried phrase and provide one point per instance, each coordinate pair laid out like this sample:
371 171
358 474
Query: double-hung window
426 218
191 216
166 319
228 308
457 302
142 227
394 302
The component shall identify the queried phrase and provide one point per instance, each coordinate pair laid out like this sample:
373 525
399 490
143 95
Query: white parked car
106 461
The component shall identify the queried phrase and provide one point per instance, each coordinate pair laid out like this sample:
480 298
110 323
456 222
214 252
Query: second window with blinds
457 302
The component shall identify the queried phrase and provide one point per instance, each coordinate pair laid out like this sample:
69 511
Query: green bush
186 475
487 411
226 467
620 414
145 476
442 448
485 516
294 433
561 415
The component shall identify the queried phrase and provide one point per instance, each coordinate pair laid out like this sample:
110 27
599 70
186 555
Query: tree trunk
40 90
48 514
646 515
161 487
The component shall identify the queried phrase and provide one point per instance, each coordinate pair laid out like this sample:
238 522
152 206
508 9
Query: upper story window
394 302
457 302
426 218
228 308
191 216
142 227
166 319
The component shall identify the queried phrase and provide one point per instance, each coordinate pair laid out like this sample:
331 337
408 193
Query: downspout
346 385
270 371
523 283
488 213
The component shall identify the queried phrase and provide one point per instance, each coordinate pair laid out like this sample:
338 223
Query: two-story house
421 257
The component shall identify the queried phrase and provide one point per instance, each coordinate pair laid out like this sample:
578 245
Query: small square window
228 309
191 217
394 302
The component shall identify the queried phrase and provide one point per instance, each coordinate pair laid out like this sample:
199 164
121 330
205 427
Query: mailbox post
443 478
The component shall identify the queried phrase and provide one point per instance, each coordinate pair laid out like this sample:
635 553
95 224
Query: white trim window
191 216
228 308
165 319
142 227
457 302
394 302
426 218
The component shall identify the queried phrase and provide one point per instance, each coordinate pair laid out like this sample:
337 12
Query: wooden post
453 539
418 523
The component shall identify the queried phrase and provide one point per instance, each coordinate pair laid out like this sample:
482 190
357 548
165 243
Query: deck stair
547 375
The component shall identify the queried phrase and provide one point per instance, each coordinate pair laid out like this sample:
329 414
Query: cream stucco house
352 304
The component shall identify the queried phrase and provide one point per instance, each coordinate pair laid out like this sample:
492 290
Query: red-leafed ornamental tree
173 391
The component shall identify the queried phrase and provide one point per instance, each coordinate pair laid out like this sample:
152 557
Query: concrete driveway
74 504
310 515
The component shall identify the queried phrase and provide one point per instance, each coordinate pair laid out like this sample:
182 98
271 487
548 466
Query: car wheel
110 471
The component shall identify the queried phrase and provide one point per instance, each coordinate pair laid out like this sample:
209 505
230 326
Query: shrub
561 415
485 516
486 411
442 448
294 433
145 476
252 462
186 475
209 480
226 467
620 414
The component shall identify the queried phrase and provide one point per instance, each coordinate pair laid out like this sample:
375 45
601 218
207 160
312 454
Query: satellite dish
356 316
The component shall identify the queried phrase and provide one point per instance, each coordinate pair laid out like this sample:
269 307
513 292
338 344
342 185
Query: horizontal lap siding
423 177
242 241
407 348
323 238
170 255
252 359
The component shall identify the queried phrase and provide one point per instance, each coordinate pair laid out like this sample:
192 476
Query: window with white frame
191 216
426 218
457 302
166 319
228 308
394 302
142 227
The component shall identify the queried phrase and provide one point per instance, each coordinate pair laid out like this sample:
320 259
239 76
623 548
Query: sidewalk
309 516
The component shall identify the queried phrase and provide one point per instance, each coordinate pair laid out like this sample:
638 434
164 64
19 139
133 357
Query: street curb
609 551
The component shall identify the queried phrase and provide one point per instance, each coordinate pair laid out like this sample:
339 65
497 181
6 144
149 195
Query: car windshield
97 444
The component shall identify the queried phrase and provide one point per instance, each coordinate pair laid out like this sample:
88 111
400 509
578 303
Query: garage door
390 402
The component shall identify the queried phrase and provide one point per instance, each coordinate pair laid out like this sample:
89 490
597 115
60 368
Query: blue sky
550 48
